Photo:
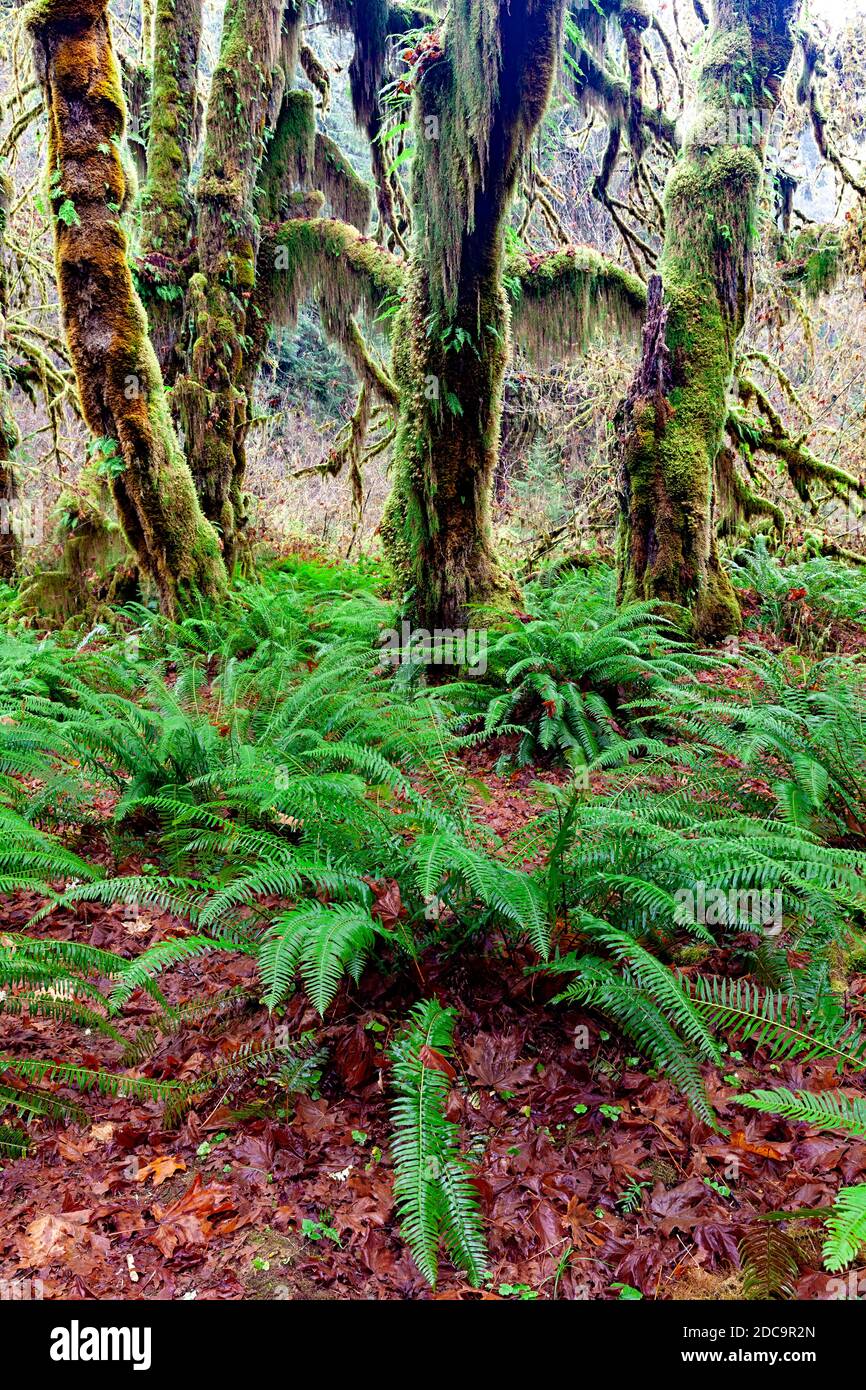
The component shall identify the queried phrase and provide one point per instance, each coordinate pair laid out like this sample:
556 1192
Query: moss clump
290 155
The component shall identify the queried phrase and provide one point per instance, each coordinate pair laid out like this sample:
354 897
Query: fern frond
771 1263
323 942
846 1228
823 1110
434 1193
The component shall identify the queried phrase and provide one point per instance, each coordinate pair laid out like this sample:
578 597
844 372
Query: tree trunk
8 427
168 213
479 105
211 401
118 376
672 423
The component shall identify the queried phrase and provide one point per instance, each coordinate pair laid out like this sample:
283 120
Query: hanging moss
736 503
118 377
368 21
333 262
560 299
347 195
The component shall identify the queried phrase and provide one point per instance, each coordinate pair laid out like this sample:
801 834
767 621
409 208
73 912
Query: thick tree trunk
212 403
168 214
8 427
478 107
119 380
672 424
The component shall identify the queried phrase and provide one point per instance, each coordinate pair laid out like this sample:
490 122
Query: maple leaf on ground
493 1062
194 1217
160 1168
50 1237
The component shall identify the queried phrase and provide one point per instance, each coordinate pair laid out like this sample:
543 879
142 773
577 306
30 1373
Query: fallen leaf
160 1168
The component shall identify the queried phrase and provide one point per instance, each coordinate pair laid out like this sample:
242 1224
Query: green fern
772 1020
824 1110
322 942
435 1197
771 1263
846 1228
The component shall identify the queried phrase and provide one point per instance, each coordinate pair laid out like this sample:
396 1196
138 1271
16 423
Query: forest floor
595 1179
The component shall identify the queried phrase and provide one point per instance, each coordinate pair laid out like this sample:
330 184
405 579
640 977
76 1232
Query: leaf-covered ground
592 1172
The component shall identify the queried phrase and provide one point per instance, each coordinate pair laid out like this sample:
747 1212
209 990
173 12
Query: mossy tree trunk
478 106
673 422
168 211
212 403
119 380
8 427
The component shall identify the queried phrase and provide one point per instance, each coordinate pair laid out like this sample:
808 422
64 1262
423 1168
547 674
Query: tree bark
212 403
119 380
478 106
8 427
672 424
168 213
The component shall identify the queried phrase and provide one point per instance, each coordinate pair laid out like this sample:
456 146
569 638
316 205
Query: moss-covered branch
560 299
346 273
316 74
736 501
804 468
118 377
334 263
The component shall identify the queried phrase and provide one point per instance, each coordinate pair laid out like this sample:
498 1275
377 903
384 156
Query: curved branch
333 261
560 299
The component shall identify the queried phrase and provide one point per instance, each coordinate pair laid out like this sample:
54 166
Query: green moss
290 155
118 376
672 442
561 298
348 195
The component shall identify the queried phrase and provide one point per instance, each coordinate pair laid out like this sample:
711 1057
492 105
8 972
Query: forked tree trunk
118 376
673 422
